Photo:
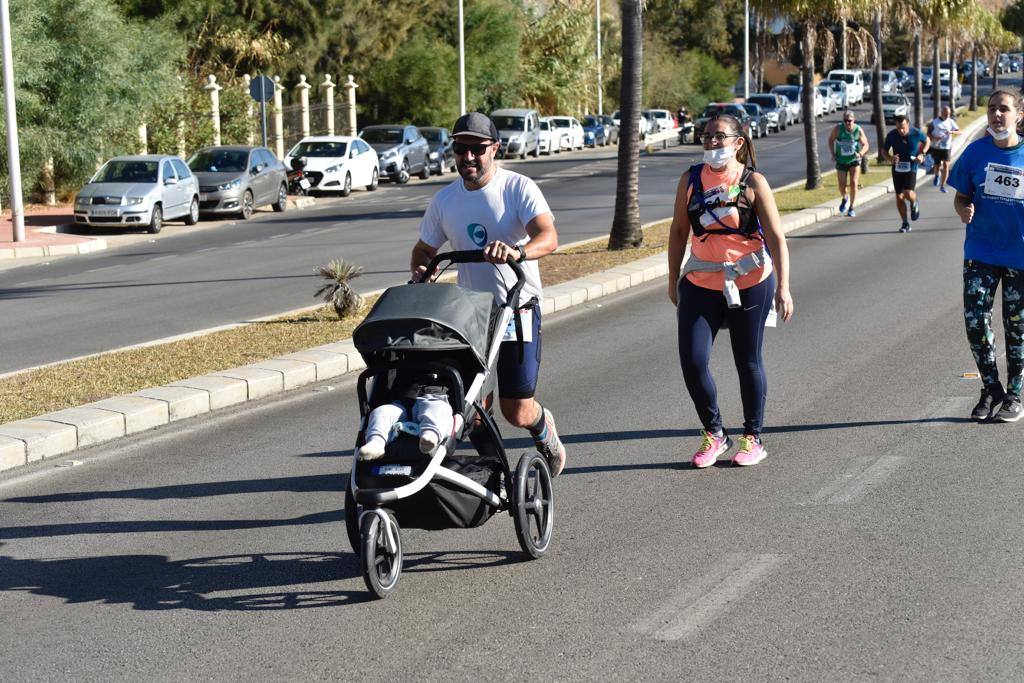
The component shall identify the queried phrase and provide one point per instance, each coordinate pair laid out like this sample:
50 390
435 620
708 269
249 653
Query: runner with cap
505 214
848 145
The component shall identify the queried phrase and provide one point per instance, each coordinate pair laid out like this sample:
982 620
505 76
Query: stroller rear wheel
533 505
382 561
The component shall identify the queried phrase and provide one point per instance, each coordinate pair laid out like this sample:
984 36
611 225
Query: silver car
142 190
237 179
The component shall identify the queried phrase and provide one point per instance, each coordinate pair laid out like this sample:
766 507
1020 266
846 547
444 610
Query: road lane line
696 605
870 478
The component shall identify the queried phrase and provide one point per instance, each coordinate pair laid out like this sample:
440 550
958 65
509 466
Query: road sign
261 89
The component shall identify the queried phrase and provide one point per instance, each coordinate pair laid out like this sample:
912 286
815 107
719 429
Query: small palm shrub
337 291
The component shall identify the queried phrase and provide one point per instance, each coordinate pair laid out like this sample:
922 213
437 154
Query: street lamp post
462 63
600 88
13 153
746 49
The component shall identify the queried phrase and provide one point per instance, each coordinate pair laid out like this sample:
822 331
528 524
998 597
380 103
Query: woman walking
989 182
739 265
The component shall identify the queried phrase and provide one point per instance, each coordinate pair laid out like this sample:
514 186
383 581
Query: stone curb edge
59 433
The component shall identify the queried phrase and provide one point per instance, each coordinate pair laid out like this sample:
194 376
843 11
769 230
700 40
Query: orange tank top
723 184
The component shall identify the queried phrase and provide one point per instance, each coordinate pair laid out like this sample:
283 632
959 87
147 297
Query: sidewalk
42 237
62 432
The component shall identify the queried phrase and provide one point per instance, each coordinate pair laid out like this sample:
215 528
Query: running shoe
987 404
935 180
1010 411
711 447
943 189
851 213
550 446
915 211
905 227
842 206
751 452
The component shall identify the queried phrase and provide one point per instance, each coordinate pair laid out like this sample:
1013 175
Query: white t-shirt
470 219
942 132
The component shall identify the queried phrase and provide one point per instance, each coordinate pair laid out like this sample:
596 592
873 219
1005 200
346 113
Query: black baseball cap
475 124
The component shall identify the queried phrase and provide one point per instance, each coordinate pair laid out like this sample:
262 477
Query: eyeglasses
705 138
847 120
479 149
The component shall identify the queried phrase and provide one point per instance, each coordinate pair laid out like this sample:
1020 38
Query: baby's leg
378 426
434 414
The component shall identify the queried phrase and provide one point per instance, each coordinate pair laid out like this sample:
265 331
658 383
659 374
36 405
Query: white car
641 124
336 163
550 138
663 117
854 84
944 88
893 105
571 130
141 191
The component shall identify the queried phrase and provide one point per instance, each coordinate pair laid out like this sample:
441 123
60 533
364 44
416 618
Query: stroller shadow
258 582
448 560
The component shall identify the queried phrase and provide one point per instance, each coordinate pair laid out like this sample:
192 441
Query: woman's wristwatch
522 253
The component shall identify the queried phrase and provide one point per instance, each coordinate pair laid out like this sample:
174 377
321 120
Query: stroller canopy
428 317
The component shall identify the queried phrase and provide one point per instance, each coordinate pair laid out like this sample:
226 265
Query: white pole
600 88
462 64
746 49
13 153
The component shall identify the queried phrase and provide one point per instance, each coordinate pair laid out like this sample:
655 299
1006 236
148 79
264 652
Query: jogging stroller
453 333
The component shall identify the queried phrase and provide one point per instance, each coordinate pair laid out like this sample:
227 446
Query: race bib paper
903 167
846 148
510 332
1004 181
720 195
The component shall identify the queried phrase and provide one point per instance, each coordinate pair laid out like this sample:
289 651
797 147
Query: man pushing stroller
505 214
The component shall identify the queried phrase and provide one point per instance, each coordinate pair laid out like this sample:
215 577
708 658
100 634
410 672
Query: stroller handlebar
477 256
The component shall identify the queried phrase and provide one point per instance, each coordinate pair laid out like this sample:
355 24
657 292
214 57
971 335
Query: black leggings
701 312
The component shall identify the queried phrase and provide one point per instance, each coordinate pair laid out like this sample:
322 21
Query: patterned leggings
980 282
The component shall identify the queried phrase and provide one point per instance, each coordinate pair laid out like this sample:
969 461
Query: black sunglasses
479 149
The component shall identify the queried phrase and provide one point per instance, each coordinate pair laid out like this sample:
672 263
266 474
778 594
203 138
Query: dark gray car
758 120
401 151
611 130
441 157
237 179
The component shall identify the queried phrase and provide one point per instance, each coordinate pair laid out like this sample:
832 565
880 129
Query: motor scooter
298 183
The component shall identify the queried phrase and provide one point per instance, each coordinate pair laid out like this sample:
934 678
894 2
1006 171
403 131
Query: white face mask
719 156
999 134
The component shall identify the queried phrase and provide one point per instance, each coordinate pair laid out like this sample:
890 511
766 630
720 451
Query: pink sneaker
750 453
710 448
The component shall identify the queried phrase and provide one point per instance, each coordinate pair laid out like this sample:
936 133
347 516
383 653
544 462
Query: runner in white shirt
940 132
505 214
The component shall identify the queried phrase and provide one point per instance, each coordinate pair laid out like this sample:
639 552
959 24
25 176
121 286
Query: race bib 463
1004 181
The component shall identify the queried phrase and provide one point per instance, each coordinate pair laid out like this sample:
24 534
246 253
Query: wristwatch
522 253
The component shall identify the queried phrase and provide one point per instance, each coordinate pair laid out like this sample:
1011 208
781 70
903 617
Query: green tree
558 58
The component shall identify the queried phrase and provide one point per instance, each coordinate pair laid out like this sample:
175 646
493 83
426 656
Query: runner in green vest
848 145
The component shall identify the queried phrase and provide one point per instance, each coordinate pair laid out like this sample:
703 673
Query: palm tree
808 15
876 77
626 232
338 291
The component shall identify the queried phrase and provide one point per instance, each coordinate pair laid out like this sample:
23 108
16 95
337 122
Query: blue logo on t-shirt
477 233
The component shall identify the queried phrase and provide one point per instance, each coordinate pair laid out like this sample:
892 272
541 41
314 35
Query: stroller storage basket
437 317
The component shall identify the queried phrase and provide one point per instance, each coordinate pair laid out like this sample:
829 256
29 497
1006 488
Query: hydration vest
749 225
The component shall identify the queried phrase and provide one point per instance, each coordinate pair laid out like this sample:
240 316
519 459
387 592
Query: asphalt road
881 538
192 279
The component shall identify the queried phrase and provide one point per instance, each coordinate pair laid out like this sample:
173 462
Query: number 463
1007 181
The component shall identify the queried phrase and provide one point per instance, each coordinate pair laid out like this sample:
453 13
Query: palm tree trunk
918 91
995 71
807 103
842 43
876 90
974 76
936 98
626 232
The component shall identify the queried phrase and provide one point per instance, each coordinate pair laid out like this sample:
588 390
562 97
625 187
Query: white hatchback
336 163
571 130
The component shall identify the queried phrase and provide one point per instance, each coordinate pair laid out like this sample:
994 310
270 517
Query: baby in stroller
431 416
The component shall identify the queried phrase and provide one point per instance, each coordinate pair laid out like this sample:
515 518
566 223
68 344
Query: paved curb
62 432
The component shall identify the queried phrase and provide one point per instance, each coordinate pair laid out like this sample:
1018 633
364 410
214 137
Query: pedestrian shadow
258 582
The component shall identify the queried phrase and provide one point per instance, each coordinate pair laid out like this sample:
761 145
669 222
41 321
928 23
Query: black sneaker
915 211
1010 411
905 227
988 404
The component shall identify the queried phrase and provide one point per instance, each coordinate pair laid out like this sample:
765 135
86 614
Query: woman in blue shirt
989 180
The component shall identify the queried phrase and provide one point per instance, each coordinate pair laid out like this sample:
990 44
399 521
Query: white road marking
851 487
284 234
163 258
694 606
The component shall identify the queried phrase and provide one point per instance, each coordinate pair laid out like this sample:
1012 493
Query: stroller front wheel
533 501
381 556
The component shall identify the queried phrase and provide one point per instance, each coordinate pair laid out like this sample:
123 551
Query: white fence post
278 119
350 90
250 136
303 88
328 86
214 90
